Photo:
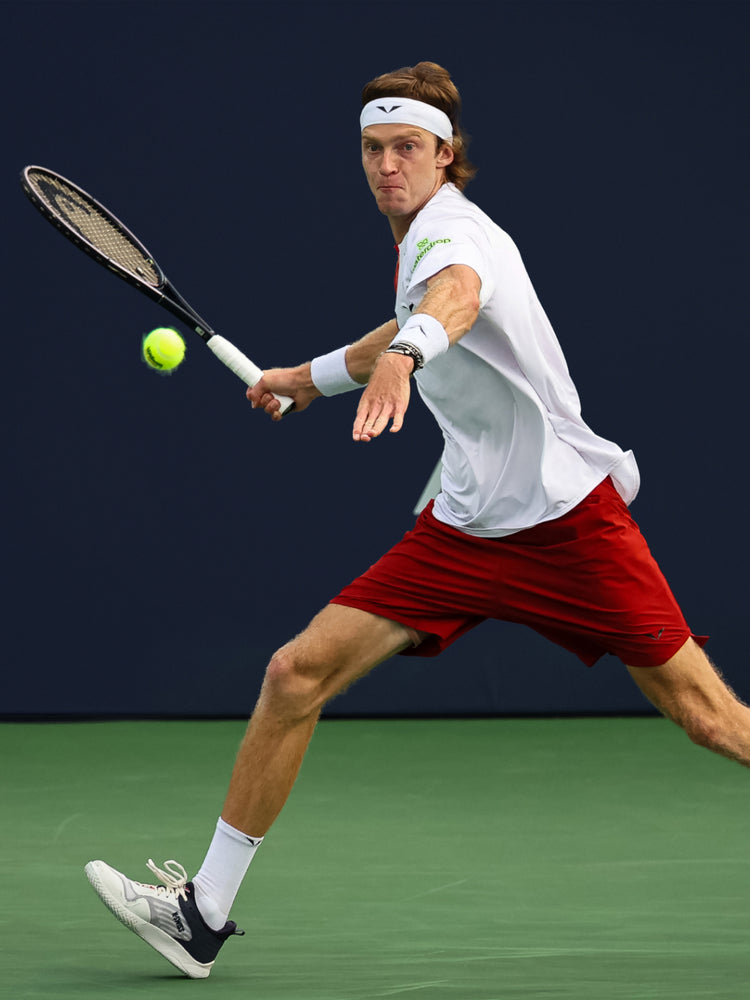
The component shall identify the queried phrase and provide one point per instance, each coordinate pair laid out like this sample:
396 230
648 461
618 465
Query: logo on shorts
655 635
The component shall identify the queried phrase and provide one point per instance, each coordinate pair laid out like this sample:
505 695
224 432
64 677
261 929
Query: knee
290 687
704 731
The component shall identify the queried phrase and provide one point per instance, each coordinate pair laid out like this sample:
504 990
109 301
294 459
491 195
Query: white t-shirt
517 451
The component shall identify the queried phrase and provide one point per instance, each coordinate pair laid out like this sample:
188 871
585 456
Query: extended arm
361 357
452 298
297 382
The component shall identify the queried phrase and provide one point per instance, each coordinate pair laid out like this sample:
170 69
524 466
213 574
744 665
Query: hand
385 398
294 382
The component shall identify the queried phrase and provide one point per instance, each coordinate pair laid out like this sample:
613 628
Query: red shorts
586 580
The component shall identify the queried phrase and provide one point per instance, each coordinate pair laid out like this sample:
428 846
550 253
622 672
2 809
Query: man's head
403 168
431 85
412 143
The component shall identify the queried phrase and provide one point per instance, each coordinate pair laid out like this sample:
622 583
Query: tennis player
531 523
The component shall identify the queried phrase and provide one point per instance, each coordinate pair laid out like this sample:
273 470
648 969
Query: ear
444 154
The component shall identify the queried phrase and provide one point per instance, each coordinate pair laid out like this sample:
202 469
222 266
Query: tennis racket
93 228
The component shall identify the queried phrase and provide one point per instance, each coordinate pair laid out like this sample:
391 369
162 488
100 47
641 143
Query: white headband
406 111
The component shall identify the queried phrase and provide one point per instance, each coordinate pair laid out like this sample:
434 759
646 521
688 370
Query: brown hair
432 84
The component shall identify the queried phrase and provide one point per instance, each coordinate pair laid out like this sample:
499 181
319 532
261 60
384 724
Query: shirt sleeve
439 245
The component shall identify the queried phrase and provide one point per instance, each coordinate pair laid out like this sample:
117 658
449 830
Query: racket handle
249 373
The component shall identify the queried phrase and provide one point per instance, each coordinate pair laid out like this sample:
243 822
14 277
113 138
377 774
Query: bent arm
362 355
297 382
452 298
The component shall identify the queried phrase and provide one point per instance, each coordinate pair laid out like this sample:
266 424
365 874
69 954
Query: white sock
222 872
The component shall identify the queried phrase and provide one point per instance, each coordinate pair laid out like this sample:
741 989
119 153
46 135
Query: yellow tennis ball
163 349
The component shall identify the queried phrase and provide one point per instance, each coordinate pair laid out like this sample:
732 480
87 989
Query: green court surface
496 859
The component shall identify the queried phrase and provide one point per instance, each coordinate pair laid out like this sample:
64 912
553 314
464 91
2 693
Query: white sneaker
165 916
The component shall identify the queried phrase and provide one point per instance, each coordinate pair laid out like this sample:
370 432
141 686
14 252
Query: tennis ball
163 349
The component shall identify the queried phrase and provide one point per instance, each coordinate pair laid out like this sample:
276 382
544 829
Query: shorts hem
432 645
661 654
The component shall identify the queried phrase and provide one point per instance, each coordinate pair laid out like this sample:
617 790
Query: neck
400 223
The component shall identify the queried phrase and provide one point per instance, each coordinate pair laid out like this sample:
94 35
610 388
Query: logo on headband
395 107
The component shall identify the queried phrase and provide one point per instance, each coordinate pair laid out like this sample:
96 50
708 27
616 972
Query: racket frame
165 294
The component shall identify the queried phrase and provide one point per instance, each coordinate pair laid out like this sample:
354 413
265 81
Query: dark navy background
161 538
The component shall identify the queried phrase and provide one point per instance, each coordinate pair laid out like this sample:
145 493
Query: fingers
366 428
385 399
397 423
368 423
371 425
262 399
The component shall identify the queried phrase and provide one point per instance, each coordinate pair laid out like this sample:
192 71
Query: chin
389 207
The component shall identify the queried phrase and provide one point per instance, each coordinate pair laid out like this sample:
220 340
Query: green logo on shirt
424 247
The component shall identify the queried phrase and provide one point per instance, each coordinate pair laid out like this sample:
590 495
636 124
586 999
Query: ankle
207 906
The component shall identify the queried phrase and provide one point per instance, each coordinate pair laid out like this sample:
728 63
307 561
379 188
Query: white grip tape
249 373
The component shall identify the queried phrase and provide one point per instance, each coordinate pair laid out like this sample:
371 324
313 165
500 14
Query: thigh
687 687
341 644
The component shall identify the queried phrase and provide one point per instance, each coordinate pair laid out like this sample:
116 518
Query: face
404 170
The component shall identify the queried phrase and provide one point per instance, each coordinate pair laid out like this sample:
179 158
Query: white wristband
426 333
330 374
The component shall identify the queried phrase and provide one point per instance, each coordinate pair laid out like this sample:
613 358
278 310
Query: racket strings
86 219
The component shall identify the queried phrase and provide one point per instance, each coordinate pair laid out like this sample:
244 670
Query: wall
161 538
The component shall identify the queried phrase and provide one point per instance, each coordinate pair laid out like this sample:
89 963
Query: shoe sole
159 940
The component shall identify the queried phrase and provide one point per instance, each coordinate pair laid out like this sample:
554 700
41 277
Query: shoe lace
173 875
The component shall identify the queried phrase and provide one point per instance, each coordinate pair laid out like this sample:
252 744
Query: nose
388 162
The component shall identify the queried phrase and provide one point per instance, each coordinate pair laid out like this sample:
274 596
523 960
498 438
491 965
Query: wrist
405 350
329 374
397 362
304 381
425 334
